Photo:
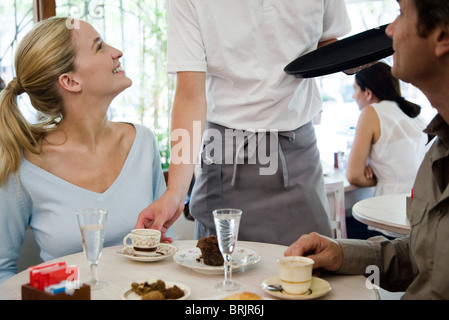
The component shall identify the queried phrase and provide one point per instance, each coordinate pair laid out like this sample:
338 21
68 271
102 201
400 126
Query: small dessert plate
241 258
129 294
163 251
319 288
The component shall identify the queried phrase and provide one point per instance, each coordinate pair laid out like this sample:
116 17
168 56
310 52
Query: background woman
389 144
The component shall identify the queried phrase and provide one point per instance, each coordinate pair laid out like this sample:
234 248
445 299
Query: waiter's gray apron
277 208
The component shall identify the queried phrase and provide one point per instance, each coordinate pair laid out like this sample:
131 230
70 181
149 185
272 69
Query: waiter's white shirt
244 46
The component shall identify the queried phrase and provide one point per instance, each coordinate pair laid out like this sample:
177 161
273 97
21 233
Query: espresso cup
295 274
144 241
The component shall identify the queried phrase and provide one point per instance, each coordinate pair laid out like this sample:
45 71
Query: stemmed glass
227 223
92 224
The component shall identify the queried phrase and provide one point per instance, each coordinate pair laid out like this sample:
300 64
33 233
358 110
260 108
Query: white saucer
129 294
163 251
241 258
319 288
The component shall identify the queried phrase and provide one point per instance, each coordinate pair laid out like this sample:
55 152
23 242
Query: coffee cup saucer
163 251
318 288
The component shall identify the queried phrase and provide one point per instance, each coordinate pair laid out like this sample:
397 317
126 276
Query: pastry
210 252
243 296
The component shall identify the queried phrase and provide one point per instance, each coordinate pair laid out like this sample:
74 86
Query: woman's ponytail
44 54
15 131
409 108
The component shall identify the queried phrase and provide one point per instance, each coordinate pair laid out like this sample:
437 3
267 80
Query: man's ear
68 82
442 41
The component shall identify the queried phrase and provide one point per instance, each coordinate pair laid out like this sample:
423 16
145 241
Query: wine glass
227 223
92 226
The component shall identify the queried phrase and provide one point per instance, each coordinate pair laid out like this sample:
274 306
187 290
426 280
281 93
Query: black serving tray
351 52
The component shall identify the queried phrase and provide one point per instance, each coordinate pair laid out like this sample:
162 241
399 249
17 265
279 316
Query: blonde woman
75 158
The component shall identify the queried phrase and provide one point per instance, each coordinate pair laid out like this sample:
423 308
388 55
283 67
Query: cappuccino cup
143 241
295 274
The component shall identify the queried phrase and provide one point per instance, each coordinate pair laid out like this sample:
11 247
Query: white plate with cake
192 258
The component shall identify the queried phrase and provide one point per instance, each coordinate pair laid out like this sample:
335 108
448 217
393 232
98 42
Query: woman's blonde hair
43 55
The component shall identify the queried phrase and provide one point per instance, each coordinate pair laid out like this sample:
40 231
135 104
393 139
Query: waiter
229 58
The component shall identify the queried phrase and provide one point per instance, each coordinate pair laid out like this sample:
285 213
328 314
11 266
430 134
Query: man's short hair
431 13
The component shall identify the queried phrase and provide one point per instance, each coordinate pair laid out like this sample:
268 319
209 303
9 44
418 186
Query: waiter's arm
189 108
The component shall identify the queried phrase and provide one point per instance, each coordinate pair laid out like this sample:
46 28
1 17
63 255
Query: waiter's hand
160 215
352 71
326 252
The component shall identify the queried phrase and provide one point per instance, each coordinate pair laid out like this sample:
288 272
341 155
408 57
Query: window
17 20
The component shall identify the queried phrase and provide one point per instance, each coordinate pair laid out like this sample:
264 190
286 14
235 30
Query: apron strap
238 155
243 147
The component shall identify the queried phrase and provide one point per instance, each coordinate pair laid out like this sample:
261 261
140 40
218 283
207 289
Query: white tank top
397 155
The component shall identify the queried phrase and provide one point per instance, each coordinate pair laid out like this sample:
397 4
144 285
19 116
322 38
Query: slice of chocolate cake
210 252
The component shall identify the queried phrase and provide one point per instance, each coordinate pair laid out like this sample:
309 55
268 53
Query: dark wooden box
31 293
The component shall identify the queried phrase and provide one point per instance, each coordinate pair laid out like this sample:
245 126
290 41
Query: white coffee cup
295 274
144 241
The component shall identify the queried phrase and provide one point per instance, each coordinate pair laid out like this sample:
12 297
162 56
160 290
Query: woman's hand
369 174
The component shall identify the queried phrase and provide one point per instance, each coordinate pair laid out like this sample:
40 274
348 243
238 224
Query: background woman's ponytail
409 108
43 55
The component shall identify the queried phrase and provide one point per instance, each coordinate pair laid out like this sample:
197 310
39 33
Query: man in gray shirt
418 263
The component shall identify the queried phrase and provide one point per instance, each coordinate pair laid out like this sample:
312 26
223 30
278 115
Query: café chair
30 252
335 193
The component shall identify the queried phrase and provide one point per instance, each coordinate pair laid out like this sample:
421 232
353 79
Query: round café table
120 271
387 212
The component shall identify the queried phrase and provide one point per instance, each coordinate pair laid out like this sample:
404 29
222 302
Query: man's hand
326 252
